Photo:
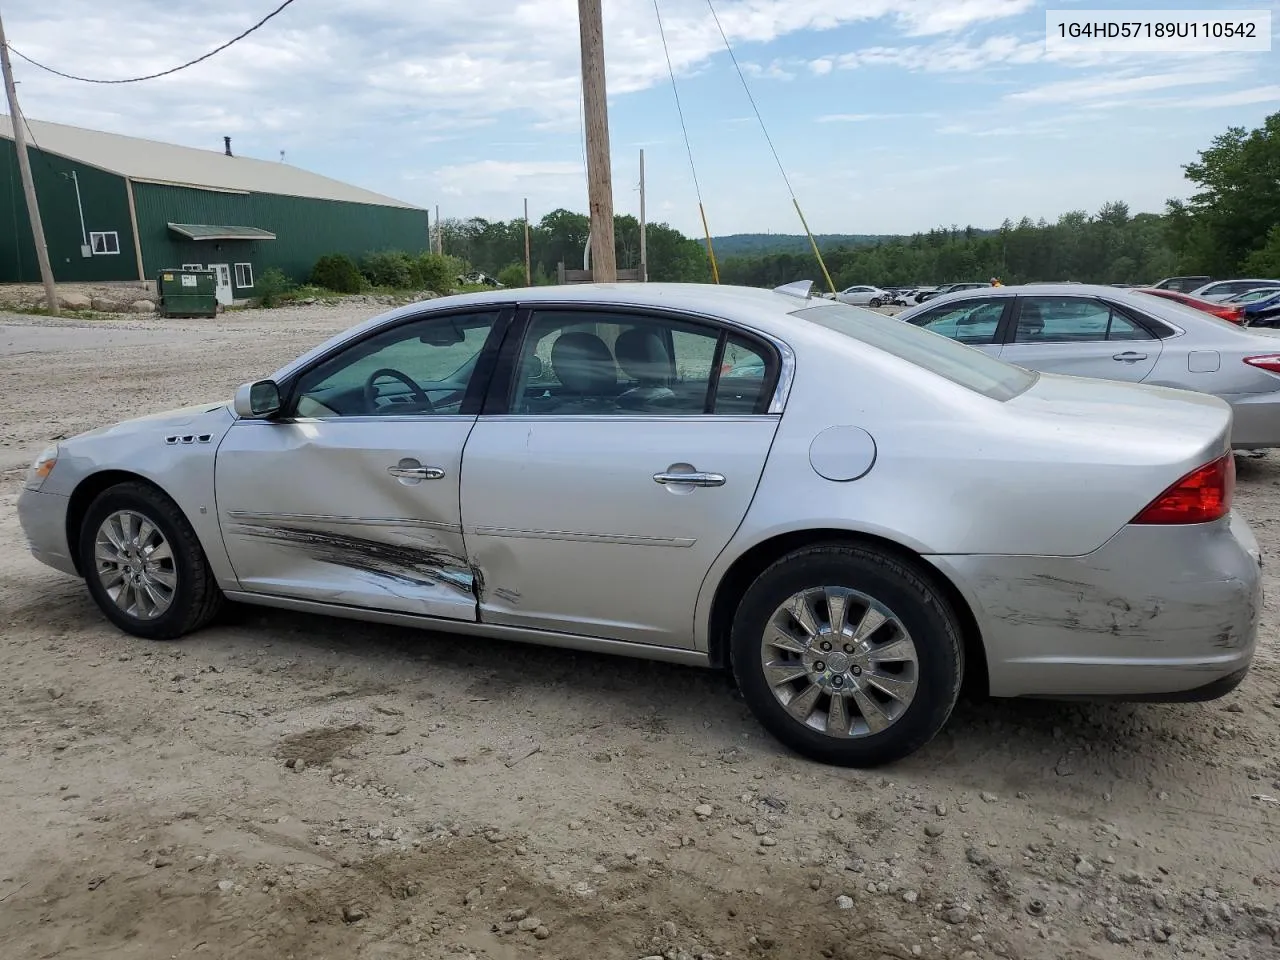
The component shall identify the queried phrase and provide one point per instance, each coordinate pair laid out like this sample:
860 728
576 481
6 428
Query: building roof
156 162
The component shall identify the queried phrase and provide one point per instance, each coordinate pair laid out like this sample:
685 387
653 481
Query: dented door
351 495
348 512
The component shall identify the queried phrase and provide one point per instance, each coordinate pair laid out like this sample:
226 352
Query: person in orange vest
995 282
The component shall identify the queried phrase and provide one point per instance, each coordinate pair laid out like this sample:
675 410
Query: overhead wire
163 73
769 140
706 230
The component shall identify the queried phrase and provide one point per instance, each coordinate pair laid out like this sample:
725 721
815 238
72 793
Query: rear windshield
967 366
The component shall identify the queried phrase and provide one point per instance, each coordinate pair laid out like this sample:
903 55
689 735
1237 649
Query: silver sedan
1118 334
853 515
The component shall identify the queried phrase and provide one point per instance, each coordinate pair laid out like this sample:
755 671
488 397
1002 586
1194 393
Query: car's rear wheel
876 301
144 565
848 654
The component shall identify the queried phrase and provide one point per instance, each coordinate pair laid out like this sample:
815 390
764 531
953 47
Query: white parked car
1226 289
864 296
853 514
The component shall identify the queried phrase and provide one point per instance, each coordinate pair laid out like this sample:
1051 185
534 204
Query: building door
222 276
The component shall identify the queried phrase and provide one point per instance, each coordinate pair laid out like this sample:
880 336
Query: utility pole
28 185
604 264
528 265
439 233
644 247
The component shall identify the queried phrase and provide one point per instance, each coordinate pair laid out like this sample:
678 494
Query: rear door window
1073 320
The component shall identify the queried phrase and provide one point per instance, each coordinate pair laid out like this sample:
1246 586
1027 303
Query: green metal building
119 208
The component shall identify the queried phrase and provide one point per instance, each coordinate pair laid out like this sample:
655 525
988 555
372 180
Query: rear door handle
691 479
1129 356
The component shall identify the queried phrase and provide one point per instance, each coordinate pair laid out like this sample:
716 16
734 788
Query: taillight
1269 362
1203 495
1234 314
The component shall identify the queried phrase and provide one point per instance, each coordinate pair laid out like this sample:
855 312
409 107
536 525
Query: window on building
192 266
244 274
103 243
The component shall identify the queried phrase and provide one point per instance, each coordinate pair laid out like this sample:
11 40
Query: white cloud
1238 98
1108 87
382 59
504 176
949 56
867 117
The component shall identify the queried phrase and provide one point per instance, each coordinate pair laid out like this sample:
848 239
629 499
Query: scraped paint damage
404 563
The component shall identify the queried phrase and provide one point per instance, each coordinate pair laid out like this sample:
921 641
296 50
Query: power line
711 254
755 109
162 73
772 149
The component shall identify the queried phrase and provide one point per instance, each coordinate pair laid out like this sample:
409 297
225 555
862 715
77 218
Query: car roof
765 311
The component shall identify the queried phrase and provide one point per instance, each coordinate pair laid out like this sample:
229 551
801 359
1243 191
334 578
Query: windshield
958 363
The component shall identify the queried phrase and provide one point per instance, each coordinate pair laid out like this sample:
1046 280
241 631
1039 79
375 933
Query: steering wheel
371 391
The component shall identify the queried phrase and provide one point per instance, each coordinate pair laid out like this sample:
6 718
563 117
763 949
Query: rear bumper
1157 613
1255 419
43 517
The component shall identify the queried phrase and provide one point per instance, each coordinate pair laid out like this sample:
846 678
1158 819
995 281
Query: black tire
876 302
924 612
196 598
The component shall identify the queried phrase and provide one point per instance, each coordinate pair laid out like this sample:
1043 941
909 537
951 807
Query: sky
889 116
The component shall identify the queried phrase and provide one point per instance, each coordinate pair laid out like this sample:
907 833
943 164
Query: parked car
1224 311
1251 296
864 296
1182 284
1097 331
1223 289
921 291
559 465
949 288
1264 312
478 278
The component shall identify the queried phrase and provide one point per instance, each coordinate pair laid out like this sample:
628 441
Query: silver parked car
853 514
1117 334
1226 289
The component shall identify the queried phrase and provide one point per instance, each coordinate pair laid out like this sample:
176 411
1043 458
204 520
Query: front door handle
411 471
1129 356
691 479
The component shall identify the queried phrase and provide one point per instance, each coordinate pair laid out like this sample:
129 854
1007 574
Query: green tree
1265 261
512 275
1238 201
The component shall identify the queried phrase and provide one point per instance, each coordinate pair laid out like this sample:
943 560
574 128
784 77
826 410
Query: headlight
42 468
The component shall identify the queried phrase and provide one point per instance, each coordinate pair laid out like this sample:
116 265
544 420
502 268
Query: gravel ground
282 786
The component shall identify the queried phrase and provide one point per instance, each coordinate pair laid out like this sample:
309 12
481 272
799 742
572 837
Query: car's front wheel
144 565
848 654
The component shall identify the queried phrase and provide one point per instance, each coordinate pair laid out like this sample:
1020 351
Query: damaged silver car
854 515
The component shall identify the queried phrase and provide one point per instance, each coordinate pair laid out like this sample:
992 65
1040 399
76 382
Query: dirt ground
282 786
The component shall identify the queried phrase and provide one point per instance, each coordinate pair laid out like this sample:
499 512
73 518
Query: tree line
1229 227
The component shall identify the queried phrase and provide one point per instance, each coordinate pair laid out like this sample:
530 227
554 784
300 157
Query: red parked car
1233 312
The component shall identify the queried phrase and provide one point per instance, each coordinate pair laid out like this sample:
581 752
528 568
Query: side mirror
535 367
257 401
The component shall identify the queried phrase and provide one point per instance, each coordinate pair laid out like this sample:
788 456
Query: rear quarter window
963 365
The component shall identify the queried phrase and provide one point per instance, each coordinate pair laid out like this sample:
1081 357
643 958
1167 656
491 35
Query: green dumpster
187 293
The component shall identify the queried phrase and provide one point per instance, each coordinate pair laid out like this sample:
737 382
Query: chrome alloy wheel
135 564
840 662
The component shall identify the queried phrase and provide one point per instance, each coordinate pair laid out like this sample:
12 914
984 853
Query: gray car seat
586 371
643 357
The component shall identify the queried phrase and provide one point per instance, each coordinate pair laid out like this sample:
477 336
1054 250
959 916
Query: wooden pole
604 264
644 247
439 233
528 264
28 185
